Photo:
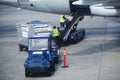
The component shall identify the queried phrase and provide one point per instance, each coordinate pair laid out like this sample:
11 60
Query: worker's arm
65 18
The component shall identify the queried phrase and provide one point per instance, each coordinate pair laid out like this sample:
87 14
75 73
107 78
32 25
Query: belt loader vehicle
70 33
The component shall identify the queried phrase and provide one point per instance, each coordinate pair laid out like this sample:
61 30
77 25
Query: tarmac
97 57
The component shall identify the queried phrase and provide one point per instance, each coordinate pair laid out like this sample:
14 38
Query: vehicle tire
27 73
53 67
20 48
49 72
83 34
56 60
75 41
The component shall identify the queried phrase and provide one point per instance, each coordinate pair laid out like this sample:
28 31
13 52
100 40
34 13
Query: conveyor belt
70 25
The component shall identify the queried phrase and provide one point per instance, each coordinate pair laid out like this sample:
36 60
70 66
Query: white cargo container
31 28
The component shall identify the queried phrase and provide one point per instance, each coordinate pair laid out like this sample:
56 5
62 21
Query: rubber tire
49 72
27 73
75 41
53 67
20 48
83 34
56 60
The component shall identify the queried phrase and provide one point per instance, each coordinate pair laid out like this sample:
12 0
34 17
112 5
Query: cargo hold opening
83 9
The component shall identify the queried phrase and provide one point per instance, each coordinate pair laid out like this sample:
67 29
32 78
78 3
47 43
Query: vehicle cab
42 54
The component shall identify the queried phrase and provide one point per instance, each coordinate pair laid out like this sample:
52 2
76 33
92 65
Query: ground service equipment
43 53
31 28
70 33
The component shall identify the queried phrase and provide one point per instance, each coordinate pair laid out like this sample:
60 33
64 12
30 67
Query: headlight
40 52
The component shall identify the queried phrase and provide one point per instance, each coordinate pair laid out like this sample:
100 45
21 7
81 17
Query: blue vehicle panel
41 57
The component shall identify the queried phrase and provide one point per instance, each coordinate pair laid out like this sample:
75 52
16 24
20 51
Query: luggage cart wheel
20 48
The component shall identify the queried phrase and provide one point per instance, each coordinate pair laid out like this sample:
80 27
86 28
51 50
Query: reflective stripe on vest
55 32
62 19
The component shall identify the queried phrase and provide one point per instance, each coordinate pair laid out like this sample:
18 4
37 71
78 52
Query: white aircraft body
110 8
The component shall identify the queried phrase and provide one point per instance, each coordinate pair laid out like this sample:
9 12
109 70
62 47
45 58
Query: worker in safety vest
56 34
62 20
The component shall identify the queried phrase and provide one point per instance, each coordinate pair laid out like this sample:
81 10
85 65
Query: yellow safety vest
62 20
55 32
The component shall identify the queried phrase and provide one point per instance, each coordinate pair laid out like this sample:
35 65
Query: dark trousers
57 39
62 24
